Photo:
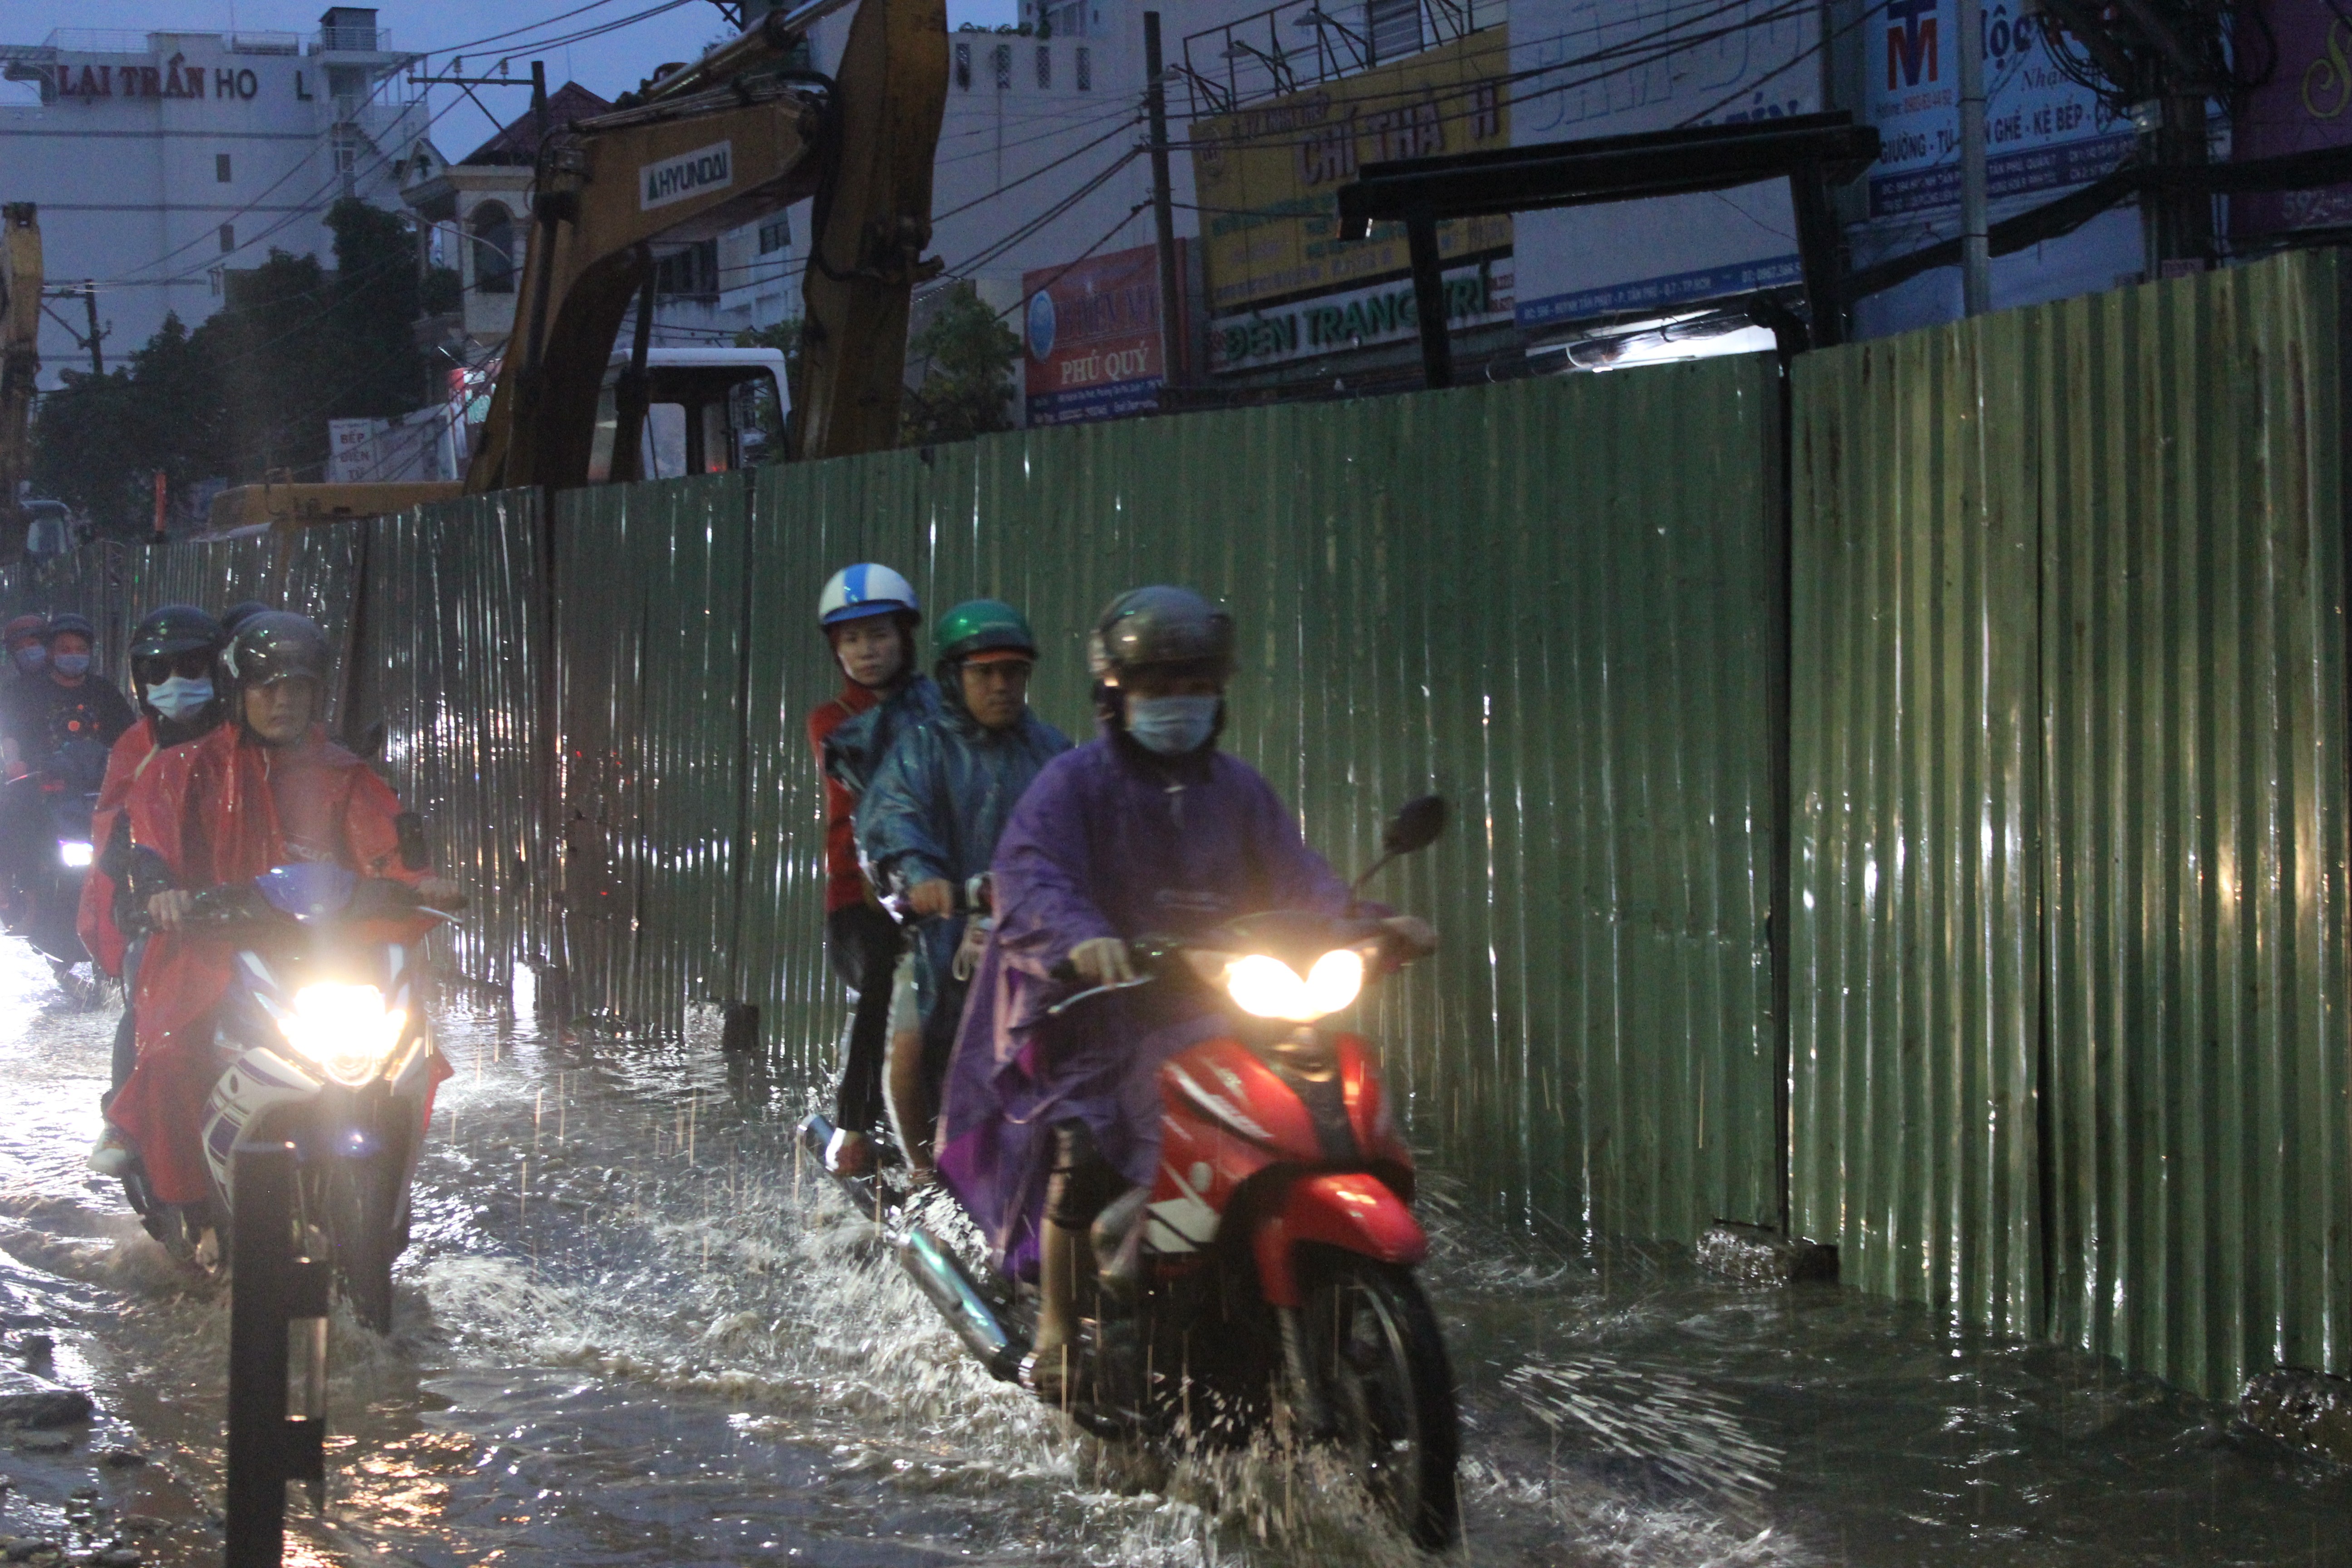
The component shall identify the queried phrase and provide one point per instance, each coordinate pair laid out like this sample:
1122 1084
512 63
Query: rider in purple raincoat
1146 829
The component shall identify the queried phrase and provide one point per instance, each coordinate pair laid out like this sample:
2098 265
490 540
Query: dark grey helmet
275 646
1162 627
171 629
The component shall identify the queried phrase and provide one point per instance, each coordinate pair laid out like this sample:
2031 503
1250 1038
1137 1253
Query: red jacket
845 884
226 809
131 754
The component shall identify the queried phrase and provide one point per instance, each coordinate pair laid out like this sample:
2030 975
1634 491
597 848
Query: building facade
160 160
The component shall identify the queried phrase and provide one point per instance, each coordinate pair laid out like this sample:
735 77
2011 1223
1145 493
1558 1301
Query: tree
968 354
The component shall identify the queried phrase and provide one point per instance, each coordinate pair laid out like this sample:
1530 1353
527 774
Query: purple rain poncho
1108 841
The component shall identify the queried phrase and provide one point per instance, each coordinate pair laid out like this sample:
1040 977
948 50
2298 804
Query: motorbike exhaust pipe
941 1276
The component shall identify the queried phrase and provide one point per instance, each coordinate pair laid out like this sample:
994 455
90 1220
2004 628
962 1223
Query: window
1085 71
1004 68
1045 66
494 244
964 67
692 272
228 237
775 236
220 167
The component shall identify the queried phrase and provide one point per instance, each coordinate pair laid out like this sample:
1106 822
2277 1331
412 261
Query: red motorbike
1266 1277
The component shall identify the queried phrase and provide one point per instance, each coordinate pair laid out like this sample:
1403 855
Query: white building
161 159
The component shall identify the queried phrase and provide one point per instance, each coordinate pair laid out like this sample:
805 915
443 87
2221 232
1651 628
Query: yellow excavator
702 148
20 363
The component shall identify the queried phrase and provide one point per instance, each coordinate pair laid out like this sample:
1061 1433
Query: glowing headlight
73 853
346 1029
1270 988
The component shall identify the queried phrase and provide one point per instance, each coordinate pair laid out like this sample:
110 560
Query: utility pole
89 304
1976 228
1172 344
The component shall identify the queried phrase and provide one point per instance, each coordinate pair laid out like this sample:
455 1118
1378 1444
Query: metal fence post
274 1286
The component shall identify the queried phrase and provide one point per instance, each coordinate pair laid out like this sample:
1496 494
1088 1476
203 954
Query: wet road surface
633 1330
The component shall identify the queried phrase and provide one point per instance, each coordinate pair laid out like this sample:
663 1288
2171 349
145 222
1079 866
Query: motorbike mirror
1415 826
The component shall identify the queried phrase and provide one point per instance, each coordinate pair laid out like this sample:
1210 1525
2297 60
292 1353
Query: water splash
1650 1417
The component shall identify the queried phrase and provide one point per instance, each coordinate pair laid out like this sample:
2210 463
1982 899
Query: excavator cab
707 411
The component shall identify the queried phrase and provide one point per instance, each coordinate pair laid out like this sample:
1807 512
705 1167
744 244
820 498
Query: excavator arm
20 363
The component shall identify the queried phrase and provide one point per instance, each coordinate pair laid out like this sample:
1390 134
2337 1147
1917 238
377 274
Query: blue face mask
179 698
71 665
31 658
1172 725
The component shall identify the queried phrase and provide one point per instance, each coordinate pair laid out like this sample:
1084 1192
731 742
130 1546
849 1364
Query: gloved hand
1102 961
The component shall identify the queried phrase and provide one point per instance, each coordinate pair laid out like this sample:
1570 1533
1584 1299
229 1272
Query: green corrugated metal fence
2070 775
1551 600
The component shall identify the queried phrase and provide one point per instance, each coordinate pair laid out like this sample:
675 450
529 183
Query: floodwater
632 1330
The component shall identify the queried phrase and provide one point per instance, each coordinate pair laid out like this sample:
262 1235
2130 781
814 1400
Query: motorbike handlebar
236 904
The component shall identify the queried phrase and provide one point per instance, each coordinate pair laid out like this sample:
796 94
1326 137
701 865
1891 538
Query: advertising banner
1268 174
2044 131
1586 69
1476 295
1092 333
2306 104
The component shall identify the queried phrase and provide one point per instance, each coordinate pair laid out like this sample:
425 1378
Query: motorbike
51 806
1266 1277
322 1040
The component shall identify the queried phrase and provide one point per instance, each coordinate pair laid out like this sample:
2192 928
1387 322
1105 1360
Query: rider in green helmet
928 825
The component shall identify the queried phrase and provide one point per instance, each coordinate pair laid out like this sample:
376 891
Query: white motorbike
322 1041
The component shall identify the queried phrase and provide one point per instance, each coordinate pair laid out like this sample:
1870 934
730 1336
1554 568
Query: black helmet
68 622
236 614
172 630
273 645
1163 627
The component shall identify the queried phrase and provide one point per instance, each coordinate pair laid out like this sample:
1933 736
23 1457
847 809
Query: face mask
179 698
70 665
30 658
1172 725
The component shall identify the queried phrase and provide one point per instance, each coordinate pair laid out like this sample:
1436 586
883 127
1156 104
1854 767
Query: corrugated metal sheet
1550 600
2070 780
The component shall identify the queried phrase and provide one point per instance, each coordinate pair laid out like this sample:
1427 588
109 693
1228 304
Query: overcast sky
608 65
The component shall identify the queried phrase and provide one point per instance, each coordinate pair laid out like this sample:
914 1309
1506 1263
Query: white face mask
179 698
1172 726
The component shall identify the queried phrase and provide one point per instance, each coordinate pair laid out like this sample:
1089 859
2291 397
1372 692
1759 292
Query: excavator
703 147
20 362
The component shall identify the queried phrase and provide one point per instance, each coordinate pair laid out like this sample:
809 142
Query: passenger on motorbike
868 614
51 717
266 791
172 652
22 657
928 826
1146 829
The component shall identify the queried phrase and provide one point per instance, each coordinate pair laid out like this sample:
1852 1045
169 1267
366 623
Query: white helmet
865 589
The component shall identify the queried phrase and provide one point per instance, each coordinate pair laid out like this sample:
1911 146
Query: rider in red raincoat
267 791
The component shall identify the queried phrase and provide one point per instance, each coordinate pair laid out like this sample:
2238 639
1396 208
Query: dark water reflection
634 1331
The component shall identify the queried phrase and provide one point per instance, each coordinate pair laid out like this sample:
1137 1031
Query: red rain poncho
219 810
131 753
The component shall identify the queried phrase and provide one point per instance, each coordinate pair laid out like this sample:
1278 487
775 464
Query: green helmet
978 625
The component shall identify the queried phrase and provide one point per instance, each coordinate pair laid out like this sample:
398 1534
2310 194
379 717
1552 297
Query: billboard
1268 174
1585 68
1476 295
2305 104
2044 131
1091 331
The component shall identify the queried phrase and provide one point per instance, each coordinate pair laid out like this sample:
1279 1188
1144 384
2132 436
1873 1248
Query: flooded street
633 1330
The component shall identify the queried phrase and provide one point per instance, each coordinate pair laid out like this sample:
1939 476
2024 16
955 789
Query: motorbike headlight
1268 988
346 1029
74 853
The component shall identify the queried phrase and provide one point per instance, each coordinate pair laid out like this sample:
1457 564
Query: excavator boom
20 362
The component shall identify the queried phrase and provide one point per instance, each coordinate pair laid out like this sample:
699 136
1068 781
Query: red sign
1092 331
2306 104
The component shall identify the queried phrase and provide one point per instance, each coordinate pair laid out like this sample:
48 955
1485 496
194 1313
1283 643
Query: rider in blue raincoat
928 821
1146 829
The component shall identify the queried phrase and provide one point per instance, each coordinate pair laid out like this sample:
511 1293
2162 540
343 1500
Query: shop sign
1268 174
2305 104
1092 334
1599 68
2044 131
1476 296
172 78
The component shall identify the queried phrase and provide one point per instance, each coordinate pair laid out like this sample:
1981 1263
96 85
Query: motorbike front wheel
362 1210
1378 1354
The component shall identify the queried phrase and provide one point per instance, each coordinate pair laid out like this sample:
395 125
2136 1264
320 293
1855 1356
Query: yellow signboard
1268 174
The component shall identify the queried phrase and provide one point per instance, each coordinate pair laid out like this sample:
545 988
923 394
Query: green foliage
442 294
766 411
252 389
968 354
